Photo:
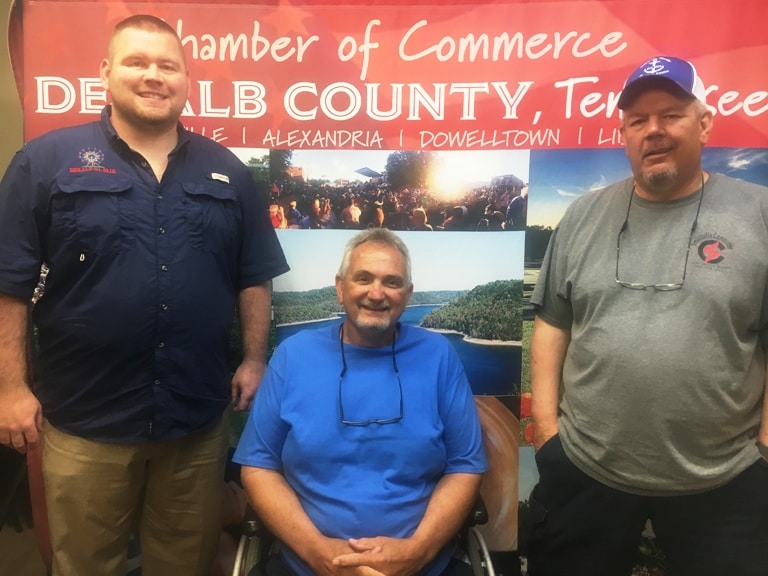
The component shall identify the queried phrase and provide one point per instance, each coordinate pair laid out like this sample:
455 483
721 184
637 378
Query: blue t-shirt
143 280
373 480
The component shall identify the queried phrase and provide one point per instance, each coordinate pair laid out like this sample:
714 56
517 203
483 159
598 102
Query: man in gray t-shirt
648 359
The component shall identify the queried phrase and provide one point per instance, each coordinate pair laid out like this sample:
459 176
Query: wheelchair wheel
478 554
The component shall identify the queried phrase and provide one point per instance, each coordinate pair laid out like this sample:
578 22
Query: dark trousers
581 527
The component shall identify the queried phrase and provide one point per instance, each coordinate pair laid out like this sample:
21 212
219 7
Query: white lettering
249 100
206 107
511 102
372 102
45 102
231 47
93 98
506 46
470 139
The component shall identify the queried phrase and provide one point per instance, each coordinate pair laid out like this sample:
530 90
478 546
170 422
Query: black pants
581 527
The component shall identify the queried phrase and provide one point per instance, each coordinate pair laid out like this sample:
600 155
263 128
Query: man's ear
104 71
706 121
339 290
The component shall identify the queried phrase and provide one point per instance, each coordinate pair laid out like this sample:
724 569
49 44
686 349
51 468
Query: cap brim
640 85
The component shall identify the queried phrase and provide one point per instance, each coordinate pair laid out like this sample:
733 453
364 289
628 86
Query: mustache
656 150
371 306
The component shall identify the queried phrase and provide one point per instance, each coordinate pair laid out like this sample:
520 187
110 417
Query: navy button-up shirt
143 281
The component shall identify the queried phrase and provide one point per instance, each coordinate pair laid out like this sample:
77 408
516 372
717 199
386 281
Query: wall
10 109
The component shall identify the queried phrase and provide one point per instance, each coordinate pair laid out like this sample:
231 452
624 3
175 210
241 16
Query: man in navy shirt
152 236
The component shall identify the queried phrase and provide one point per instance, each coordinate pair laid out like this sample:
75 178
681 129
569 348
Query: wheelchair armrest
479 513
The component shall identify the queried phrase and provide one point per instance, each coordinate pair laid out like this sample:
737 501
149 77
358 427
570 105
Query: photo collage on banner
465 128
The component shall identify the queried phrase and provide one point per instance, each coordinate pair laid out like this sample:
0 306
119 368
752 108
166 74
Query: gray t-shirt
662 390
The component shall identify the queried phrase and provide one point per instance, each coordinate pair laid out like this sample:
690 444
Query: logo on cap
656 66
680 73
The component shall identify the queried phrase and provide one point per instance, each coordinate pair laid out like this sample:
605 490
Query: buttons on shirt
164 306
164 268
161 345
157 382
161 230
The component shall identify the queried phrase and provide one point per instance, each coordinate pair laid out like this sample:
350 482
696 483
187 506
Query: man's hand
542 434
323 561
245 382
21 419
390 556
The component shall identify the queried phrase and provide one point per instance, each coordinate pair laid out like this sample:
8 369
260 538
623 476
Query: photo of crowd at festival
408 190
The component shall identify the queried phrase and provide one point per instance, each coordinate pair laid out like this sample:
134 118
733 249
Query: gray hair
380 237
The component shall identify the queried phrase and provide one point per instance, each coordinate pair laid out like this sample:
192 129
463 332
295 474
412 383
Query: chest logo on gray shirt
712 251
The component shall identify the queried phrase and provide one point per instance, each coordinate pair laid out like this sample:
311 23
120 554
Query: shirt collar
114 137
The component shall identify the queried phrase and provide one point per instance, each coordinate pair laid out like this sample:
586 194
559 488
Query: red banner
491 75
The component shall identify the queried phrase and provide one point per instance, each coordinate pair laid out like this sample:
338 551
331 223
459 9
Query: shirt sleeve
261 256
551 296
461 435
20 257
261 443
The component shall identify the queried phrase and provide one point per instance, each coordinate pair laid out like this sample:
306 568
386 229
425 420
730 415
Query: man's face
663 136
146 78
374 294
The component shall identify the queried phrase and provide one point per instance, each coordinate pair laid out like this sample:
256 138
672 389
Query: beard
375 324
136 116
661 181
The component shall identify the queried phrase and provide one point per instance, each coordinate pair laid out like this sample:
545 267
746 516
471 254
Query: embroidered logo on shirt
93 161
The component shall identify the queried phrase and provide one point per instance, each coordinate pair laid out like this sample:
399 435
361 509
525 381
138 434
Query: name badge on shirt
220 177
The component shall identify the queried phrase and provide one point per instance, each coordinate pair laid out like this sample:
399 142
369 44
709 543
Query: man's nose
152 72
655 125
376 291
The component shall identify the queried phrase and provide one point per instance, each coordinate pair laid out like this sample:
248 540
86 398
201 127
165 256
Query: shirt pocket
212 216
86 213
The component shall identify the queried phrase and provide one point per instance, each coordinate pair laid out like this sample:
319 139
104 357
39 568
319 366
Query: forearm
14 335
255 309
20 411
548 347
279 508
446 512
255 305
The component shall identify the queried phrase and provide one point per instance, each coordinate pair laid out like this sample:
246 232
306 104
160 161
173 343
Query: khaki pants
99 495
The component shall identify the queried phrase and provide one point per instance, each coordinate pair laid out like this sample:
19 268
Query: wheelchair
257 543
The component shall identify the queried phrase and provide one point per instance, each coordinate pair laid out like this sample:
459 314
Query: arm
255 305
20 412
279 508
446 511
548 347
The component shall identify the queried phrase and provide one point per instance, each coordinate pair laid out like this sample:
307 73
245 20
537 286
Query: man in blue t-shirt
363 452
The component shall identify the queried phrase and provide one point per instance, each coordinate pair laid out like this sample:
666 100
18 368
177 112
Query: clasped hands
379 556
